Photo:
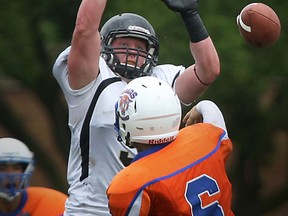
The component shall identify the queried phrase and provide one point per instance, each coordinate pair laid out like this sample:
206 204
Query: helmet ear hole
127 136
124 126
128 140
135 106
107 57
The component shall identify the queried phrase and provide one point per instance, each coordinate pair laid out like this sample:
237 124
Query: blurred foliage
251 90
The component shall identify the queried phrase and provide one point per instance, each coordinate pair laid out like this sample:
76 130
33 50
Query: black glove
182 6
188 10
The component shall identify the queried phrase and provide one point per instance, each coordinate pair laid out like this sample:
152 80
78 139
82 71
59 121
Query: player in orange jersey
175 172
16 198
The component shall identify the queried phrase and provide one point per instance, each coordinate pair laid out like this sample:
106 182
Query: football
259 25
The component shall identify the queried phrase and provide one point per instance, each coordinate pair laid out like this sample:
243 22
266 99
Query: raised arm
197 77
208 112
83 60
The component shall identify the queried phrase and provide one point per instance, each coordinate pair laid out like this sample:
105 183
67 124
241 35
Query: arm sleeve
212 114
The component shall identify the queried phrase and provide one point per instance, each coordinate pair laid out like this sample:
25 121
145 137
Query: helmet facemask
16 154
124 140
129 26
13 183
124 69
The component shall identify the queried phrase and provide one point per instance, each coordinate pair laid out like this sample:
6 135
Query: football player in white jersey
93 71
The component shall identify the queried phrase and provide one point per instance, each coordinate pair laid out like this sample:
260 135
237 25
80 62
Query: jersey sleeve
139 206
60 72
168 72
44 202
226 148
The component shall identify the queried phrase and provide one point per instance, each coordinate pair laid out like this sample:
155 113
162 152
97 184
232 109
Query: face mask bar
125 69
150 57
123 141
11 184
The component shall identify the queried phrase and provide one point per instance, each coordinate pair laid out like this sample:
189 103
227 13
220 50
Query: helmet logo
138 28
161 140
125 99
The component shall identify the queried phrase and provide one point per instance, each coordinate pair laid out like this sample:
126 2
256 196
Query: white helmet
148 112
14 151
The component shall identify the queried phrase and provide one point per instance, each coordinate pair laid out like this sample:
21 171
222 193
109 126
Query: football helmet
148 111
135 26
13 151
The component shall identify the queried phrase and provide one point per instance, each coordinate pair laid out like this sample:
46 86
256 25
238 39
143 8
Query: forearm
89 15
196 78
85 46
206 60
187 86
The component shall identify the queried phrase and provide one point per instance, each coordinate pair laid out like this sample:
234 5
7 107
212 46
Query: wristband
194 25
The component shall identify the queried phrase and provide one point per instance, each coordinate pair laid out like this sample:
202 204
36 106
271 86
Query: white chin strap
8 196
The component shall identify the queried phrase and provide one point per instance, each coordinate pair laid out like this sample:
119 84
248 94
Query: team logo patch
126 99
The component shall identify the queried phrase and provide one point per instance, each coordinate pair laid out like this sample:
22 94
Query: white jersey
92 166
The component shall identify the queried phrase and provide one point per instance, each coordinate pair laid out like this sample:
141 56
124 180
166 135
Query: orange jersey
185 177
39 201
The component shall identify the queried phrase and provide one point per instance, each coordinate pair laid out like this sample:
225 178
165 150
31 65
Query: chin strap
9 197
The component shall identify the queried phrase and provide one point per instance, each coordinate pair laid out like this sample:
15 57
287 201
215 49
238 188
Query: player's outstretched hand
192 117
182 6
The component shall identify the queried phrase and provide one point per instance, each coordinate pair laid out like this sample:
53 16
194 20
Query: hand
182 6
192 117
